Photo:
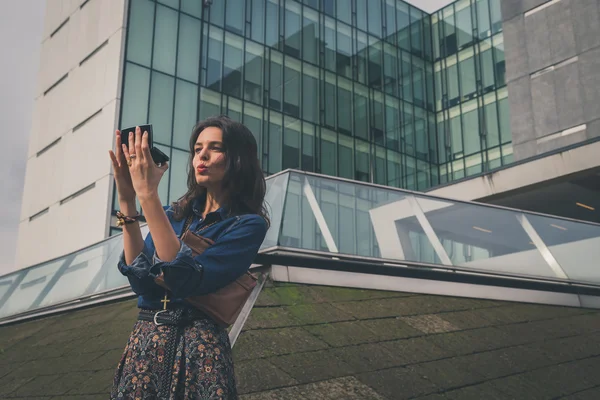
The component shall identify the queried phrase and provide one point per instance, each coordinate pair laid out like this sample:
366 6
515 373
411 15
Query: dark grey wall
553 72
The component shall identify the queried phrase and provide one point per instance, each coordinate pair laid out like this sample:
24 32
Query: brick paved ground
315 342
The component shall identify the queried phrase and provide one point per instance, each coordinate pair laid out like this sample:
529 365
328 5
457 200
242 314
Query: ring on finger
132 156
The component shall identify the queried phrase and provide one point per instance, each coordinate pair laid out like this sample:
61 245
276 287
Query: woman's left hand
145 174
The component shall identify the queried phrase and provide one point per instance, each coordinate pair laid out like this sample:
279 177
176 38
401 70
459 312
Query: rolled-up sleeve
222 263
138 271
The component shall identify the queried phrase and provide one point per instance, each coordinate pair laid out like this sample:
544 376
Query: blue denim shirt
237 240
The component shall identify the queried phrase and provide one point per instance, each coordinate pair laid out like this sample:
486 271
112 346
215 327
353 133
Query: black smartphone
158 156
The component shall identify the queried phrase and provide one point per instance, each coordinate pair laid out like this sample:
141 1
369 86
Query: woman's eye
198 150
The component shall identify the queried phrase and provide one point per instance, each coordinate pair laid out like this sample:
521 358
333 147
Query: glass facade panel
377 90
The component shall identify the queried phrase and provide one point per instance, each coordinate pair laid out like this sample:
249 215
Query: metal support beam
428 229
541 246
314 206
236 328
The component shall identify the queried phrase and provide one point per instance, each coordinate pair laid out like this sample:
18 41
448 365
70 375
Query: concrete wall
552 53
68 184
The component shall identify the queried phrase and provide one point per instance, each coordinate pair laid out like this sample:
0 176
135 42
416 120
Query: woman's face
209 158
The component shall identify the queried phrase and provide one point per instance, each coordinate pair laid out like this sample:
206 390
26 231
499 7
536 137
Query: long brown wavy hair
244 182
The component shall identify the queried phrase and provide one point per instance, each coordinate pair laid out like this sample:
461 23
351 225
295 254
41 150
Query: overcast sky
21 24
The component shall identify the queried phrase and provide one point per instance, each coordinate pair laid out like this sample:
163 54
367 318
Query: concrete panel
589 70
544 104
66 228
561 32
84 167
97 21
515 49
529 4
536 171
56 12
510 9
55 57
538 42
42 187
56 117
561 141
568 96
522 151
96 82
586 15
593 129
521 115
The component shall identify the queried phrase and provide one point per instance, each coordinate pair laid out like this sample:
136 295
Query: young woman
185 354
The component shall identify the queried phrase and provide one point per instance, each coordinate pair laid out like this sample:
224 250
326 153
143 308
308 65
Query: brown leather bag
225 304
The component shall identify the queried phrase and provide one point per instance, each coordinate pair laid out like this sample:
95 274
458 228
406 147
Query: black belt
176 317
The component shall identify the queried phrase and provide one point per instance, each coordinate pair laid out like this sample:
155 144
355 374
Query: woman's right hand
125 190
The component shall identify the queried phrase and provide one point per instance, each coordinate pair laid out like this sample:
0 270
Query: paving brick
270 317
389 328
343 333
318 313
467 319
313 366
260 375
588 394
430 324
447 374
368 357
472 341
398 383
99 382
415 350
342 294
272 342
9 386
480 391
348 388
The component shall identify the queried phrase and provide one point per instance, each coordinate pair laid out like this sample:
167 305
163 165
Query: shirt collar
196 208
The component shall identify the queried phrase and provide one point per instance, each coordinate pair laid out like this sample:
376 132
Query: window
165 40
253 73
257 31
275 80
161 107
344 98
139 32
232 65
188 50
235 19
291 144
374 15
275 145
179 170
293 38
464 28
253 117
330 100
310 94
328 152
186 100
310 36
291 90
308 146
135 95
472 139
215 58
344 10
210 104
344 51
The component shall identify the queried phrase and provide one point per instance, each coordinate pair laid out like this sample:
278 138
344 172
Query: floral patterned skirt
202 366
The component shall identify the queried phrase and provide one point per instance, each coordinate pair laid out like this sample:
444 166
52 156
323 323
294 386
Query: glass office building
370 90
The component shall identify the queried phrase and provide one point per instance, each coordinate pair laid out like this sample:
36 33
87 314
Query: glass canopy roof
334 217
